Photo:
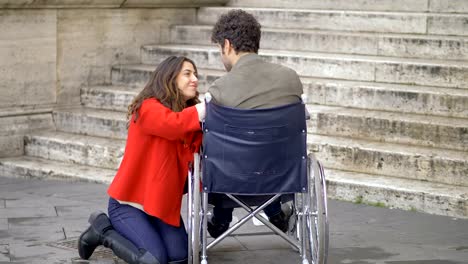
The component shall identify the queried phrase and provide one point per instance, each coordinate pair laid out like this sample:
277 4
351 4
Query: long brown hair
163 86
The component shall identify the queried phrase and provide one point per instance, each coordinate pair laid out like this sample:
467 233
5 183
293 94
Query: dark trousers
165 242
224 215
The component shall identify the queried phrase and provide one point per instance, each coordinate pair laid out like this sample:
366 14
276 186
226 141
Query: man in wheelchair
250 83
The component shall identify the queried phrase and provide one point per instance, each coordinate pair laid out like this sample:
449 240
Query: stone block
18 125
432 131
18 212
79 210
307 64
376 5
60 4
28 52
328 20
173 3
99 38
394 98
322 65
41 253
39 201
367 95
76 149
394 45
263 242
92 122
135 77
453 24
13 128
116 98
398 193
131 75
448 6
443 74
416 163
444 48
31 167
286 39
247 256
11 146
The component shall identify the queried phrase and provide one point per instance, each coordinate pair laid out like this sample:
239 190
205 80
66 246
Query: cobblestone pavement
40 221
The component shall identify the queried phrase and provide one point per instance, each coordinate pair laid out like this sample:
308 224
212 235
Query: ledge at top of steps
26 110
60 4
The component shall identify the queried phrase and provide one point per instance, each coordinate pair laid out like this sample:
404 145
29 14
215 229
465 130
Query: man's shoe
216 229
286 219
280 221
290 211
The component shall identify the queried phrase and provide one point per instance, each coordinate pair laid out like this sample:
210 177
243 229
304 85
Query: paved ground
41 220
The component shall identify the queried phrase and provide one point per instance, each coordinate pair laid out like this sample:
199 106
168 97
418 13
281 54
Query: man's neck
238 56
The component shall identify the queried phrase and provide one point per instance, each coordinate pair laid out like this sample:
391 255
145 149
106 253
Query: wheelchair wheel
193 220
317 219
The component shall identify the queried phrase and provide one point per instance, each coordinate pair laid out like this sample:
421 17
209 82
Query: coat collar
246 59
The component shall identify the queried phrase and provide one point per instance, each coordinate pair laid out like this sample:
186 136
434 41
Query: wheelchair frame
311 234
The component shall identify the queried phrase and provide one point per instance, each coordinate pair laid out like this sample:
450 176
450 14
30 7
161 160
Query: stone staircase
387 86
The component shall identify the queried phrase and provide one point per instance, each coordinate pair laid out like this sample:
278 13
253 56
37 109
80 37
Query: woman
144 224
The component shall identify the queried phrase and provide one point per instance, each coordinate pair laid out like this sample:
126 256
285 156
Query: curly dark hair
240 28
163 86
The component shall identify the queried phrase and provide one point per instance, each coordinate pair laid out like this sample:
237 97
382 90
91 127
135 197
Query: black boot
92 236
101 232
126 250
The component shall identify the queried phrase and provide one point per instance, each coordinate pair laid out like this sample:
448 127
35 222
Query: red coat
154 168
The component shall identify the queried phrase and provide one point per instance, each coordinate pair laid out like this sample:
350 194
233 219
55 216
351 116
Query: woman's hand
201 109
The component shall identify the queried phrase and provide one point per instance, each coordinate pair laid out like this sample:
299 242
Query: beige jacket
253 83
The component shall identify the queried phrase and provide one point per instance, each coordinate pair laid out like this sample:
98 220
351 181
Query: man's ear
227 46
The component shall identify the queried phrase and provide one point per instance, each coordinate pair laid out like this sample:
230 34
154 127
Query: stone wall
49 49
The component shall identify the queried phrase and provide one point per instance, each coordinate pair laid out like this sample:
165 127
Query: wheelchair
247 153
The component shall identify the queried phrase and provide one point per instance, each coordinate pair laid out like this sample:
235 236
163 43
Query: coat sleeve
156 119
215 91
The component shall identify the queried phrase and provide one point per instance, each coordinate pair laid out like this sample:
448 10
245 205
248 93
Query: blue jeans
163 241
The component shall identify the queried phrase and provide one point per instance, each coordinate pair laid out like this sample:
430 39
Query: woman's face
187 81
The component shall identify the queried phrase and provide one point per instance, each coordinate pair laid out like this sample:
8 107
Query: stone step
388 97
397 160
114 97
363 188
33 167
431 131
366 95
449 6
75 149
392 45
134 75
337 66
393 192
362 21
137 75
92 122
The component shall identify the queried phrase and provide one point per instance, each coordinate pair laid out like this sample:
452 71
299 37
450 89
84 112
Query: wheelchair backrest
254 151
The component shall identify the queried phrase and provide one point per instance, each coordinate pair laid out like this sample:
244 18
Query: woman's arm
156 119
